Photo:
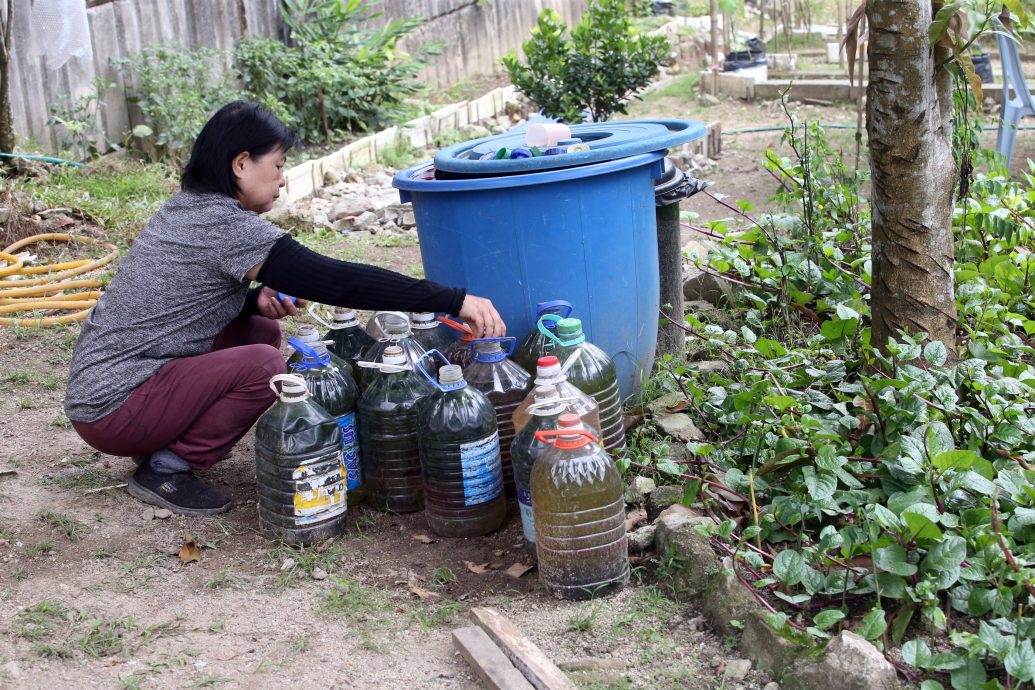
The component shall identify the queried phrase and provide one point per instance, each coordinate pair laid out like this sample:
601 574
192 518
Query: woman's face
259 179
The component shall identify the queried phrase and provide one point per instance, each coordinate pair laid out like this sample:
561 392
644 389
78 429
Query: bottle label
319 489
350 450
527 519
482 468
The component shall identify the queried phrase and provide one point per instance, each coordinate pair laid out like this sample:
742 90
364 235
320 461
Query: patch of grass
61 422
38 549
134 681
44 620
300 643
226 579
18 376
209 680
400 156
80 478
26 404
118 194
394 240
584 617
440 614
106 637
138 571
66 524
366 609
301 561
683 89
442 576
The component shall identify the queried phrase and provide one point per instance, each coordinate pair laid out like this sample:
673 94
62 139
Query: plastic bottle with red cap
505 384
460 456
549 373
388 434
579 513
459 352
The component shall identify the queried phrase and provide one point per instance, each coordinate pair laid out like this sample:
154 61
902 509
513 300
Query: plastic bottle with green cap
579 512
333 388
505 384
460 455
388 433
298 467
593 372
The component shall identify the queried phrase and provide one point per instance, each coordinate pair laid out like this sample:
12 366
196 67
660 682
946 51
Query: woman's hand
482 317
273 308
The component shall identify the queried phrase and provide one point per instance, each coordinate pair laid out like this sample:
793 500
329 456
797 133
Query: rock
288 564
475 131
642 539
638 490
678 426
329 178
408 219
706 99
709 366
737 669
772 686
698 285
5 214
148 514
696 623
849 663
661 498
319 574
163 514
348 206
366 221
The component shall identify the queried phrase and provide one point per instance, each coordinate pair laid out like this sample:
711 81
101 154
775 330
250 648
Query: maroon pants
197 407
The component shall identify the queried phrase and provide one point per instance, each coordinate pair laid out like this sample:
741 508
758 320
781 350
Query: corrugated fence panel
473 34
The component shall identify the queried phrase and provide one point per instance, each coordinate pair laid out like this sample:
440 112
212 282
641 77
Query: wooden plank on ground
488 662
542 673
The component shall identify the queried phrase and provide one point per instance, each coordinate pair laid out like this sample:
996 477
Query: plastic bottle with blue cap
460 455
333 389
505 384
535 344
388 433
593 372
298 467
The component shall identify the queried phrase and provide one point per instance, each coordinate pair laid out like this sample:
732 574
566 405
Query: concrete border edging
847 662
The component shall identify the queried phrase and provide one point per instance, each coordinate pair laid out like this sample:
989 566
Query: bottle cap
569 421
343 318
569 328
423 320
549 372
488 351
394 354
450 375
520 152
292 388
307 333
548 361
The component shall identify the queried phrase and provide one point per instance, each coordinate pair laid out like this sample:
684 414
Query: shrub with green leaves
177 90
335 77
595 70
878 491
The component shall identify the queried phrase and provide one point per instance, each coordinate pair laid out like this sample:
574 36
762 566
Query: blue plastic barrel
584 234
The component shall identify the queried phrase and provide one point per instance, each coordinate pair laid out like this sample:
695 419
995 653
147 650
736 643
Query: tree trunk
714 15
7 138
909 123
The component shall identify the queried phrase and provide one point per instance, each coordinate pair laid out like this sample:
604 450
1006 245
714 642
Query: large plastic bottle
459 352
345 337
460 457
579 513
298 467
429 331
388 434
549 373
333 389
535 344
505 384
305 333
395 326
526 449
592 371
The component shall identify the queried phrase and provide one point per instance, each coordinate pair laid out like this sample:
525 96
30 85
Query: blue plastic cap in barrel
607 141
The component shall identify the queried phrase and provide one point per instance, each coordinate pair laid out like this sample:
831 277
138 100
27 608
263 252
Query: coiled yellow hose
51 291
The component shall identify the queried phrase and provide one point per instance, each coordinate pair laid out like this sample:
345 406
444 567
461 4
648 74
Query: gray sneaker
180 492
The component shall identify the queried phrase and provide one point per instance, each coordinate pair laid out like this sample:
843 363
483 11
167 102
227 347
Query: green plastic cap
569 328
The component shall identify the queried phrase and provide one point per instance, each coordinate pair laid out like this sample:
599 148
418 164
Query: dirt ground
94 594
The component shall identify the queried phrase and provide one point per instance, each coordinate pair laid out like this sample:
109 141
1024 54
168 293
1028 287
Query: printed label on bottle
350 450
482 469
527 519
319 489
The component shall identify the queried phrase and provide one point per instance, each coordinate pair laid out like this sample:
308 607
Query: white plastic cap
307 333
451 373
423 320
394 354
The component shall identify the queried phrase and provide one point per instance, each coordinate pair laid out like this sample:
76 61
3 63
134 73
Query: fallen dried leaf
324 546
518 569
477 568
423 594
424 539
678 407
635 518
189 552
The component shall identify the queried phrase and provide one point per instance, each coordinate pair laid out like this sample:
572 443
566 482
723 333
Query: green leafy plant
594 71
177 91
77 123
335 76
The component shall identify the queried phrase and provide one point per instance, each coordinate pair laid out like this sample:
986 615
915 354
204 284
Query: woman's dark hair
235 128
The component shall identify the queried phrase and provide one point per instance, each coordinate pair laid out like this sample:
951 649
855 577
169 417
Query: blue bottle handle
308 353
559 307
509 340
429 377
282 297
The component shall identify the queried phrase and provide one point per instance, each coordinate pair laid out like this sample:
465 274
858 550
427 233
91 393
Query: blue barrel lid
607 141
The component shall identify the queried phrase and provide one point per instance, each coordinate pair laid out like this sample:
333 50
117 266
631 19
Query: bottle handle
455 325
308 353
510 340
547 436
558 307
384 368
540 324
429 377
292 379
314 312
